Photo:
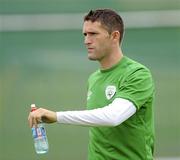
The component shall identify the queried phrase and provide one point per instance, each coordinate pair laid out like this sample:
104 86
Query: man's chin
92 58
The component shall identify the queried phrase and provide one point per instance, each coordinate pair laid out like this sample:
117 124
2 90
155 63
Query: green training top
134 138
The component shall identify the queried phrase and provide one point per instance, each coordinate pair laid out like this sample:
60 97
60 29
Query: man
119 99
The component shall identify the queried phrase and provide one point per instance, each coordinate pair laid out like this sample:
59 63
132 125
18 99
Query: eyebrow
91 32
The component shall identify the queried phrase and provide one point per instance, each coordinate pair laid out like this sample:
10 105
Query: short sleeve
138 87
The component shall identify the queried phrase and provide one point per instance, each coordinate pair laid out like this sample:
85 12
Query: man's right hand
41 115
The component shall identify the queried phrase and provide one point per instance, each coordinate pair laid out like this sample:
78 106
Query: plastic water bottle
39 136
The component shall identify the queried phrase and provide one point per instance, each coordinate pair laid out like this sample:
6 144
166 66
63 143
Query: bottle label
38 132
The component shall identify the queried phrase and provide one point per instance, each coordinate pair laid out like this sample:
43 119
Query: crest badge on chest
110 91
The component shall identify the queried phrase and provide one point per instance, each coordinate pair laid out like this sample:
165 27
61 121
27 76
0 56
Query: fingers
41 115
35 117
30 121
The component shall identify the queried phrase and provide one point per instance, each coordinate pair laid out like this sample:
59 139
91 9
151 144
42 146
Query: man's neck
110 61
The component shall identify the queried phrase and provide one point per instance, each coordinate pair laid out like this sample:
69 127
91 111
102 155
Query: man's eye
92 33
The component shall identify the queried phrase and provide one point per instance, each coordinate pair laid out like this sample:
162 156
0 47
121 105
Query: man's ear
115 36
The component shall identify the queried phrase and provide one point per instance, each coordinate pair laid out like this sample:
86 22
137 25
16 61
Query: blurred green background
50 68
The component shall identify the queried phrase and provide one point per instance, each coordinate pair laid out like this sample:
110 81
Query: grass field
61 6
51 68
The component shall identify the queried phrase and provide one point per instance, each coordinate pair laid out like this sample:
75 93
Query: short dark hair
108 18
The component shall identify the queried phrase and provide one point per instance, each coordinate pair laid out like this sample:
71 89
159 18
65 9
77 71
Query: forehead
90 26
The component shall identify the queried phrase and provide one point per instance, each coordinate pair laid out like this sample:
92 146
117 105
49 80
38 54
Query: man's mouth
90 49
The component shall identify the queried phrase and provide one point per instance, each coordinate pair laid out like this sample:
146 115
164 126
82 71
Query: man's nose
87 40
